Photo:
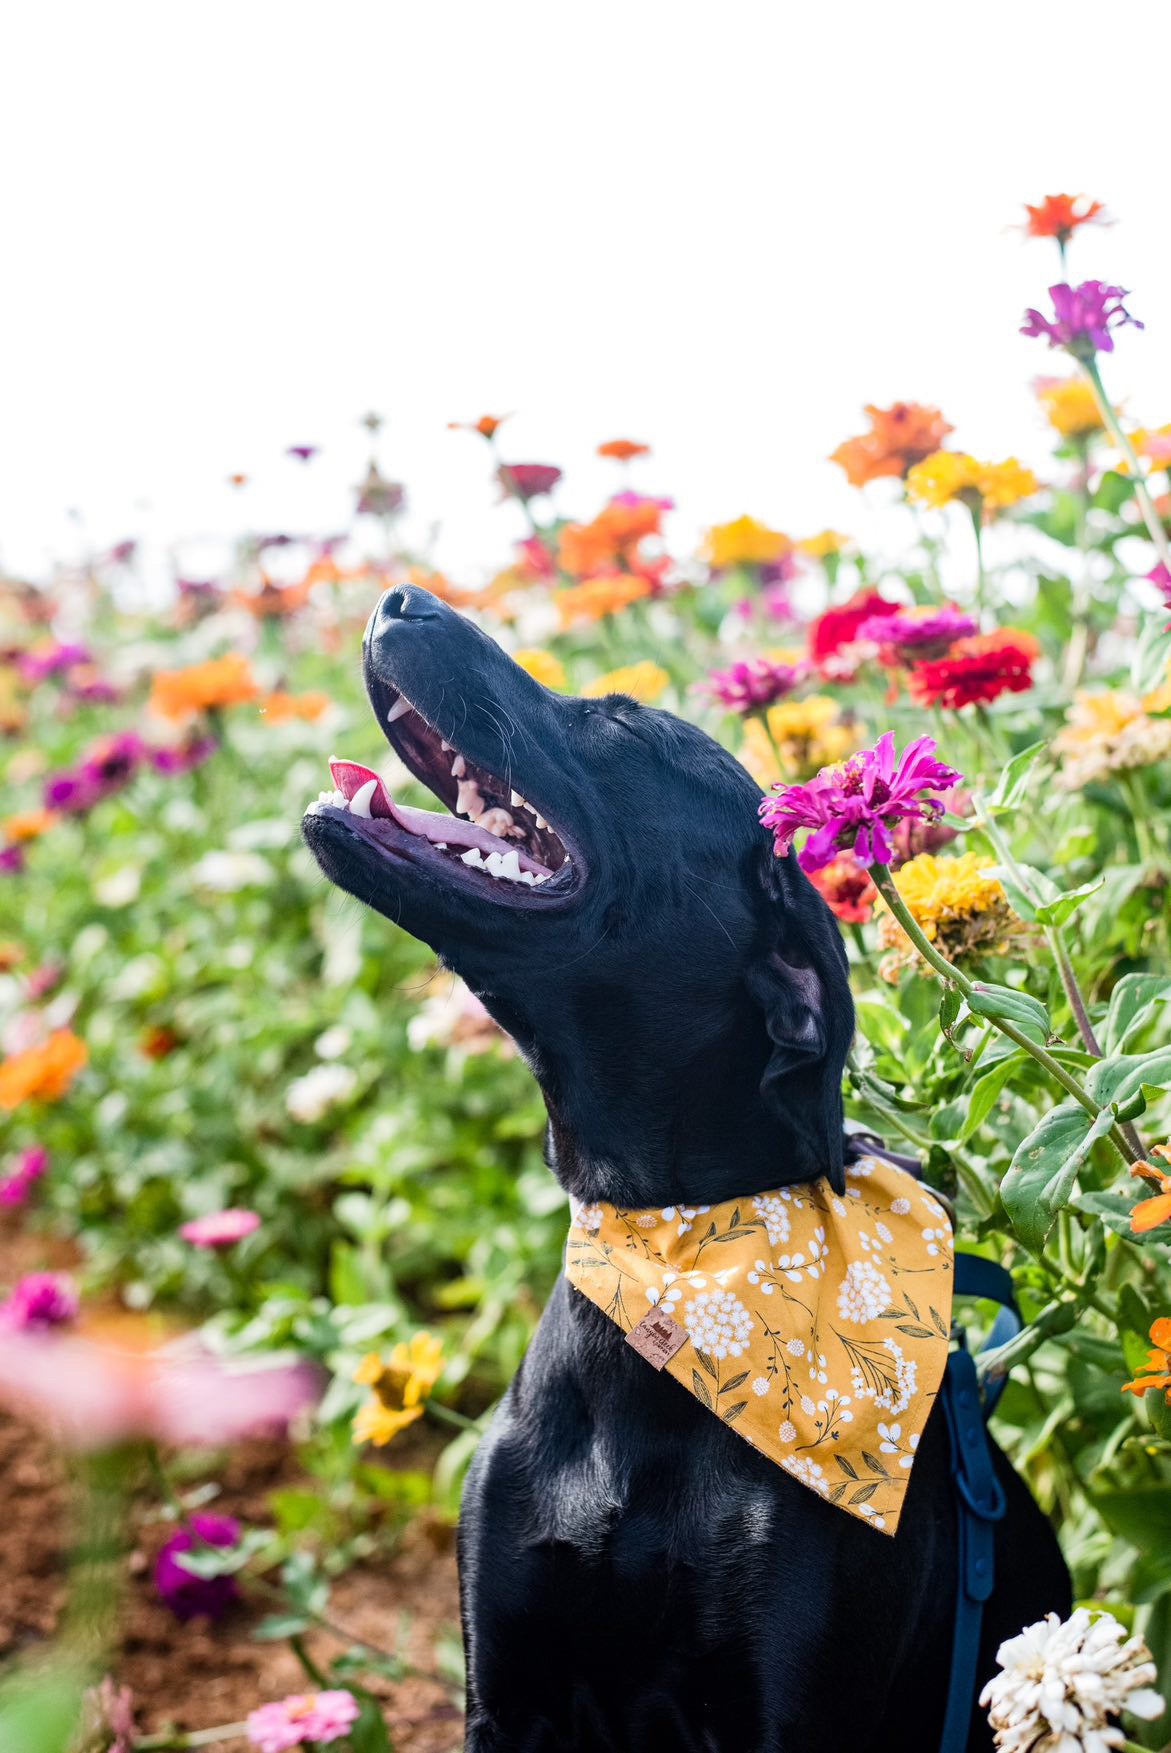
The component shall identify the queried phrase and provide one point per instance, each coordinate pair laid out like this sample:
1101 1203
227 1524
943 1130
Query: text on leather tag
657 1338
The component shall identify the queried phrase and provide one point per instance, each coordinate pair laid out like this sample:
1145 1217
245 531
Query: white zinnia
308 1098
1064 1683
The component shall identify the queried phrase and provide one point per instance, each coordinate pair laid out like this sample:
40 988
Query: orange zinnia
276 600
1148 1214
43 1072
1060 215
611 539
29 825
222 681
1156 1372
900 436
623 449
596 597
488 425
279 707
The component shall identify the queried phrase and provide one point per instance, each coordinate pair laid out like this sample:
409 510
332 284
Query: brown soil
197 1675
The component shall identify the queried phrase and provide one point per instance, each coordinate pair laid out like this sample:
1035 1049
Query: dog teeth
495 821
458 767
517 801
501 866
400 708
446 747
336 798
468 800
541 822
360 802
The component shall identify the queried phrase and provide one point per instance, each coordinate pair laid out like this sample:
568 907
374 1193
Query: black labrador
634 1576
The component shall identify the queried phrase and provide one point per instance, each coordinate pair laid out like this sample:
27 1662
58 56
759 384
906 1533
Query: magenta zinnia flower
853 806
39 1300
1083 317
220 1229
527 480
755 683
49 660
304 453
18 1183
306 1716
1160 577
11 860
915 628
187 1595
173 758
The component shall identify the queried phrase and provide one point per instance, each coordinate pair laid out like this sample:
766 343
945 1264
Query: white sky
236 226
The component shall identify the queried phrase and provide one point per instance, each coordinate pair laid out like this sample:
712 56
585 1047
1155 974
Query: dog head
600 880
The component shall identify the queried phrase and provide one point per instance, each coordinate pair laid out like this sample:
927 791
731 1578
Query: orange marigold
1156 1372
597 597
222 681
623 449
42 1073
900 436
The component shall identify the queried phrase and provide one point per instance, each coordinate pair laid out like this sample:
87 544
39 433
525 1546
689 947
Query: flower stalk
1110 420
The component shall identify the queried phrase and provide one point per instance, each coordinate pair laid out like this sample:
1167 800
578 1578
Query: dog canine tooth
398 710
458 767
360 802
517 801
468 800
541 822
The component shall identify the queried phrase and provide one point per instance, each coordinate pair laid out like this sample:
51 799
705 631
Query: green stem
1056 1317
448 1415
197 1738
297 1645
884 882
1142 494
1079 640
977 511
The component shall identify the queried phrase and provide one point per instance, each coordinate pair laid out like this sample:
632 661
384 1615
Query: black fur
634 1576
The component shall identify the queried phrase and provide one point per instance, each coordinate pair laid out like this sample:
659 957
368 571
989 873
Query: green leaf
1042 1173
950 1006
1012 786
985 1094
369 1733
1027 1012
1113 492
1133 1003
1121 1078
1067 903
1140 1514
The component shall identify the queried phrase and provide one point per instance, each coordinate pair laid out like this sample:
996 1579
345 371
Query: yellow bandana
816 1326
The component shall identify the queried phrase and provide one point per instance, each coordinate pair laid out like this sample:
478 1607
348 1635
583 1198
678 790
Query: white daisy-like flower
863 1294
1064 1683
761 1385
788 1431
718 1323
900 1207
770 1209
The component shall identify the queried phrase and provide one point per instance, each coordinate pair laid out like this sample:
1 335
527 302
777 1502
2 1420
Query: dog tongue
351 777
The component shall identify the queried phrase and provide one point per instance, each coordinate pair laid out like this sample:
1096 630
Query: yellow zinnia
644 681
544 666
823 545
744 542
807 734
1069 405
401 1383
1110 733
937 889
952 474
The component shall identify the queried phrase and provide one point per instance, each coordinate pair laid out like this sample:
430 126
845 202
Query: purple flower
916 628
633 500
303 452
71 792
378 497
122 553
49 660
174 758
1083 317
186 1594
527 480
852 806
112 763
39 1300
11 860
18 1183
752 685
1160 576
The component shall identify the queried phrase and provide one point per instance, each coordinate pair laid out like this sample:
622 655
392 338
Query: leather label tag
657 1337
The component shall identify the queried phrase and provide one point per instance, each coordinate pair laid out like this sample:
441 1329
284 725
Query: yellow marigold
28 825
744 542
401 1384
42 1073
938 888
544 666
595 598
1069 405
279 707
807 734
1109 733
643 681
823 545
952 474
222 681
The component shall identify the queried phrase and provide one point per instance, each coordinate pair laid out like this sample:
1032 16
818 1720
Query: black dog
634 1576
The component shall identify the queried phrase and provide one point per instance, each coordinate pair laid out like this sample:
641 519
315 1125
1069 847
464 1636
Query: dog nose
406 602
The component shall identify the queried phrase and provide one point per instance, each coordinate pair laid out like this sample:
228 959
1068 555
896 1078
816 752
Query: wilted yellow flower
744 542
544 667
1069 405
952 474
824 544
955 901
401 1384
1110 733
644 681
808 734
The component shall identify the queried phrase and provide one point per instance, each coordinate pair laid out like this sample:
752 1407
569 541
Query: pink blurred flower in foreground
853 806
171 759
220 1229
39 1300
94 1392
1160 577
1083 317
107 1718
306 1716
914 629
19 1181
527 480
752 685
187 1595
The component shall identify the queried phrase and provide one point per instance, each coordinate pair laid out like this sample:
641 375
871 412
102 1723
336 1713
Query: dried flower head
1064 1683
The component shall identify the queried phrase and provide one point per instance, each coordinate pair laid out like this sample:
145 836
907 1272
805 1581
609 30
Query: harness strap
980 1500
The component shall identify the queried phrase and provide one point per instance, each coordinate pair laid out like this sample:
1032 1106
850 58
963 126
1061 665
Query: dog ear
800 980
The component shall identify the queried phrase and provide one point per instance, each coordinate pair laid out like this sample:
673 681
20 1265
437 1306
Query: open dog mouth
489 838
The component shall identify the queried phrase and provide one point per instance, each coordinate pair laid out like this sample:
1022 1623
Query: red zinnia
838 627
846 888
977 669
1060 215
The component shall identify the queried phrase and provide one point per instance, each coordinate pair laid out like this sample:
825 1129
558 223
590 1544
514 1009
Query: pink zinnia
527 480
752 685
1083 317
18 1183
39 1300
915 628
1160 577
306 1716
853 806
220 1229
36 666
